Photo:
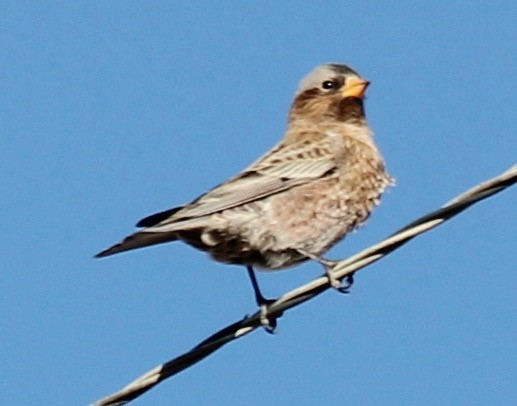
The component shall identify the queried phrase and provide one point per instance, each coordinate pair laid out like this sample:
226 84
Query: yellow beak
355 87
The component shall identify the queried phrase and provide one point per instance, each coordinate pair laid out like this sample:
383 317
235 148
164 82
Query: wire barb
291 299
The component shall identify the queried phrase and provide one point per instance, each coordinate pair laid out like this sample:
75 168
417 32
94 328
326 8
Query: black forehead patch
342 69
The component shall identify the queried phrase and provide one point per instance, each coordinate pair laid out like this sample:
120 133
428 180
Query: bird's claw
336 283
329 266
269 323
343 289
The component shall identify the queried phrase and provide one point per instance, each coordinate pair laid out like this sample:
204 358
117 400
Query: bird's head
332 92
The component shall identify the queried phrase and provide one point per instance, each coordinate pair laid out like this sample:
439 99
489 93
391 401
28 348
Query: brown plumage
319 183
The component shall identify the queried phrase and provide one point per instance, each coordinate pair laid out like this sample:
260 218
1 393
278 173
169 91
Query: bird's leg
268 323
328 265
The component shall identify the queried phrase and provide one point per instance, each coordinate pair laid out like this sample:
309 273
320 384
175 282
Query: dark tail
138 240
156 218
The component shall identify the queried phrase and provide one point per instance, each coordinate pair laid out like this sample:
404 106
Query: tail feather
155 219
138 240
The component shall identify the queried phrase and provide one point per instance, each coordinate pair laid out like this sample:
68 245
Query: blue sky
115 110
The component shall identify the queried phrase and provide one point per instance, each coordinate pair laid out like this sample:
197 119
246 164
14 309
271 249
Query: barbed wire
310 290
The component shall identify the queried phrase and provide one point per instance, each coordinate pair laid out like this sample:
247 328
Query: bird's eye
328 84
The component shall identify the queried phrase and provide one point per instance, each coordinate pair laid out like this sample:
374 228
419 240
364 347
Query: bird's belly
318 215
267 233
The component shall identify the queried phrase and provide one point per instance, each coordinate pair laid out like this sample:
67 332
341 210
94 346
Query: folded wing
283 168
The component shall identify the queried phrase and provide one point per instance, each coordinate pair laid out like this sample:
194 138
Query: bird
320 182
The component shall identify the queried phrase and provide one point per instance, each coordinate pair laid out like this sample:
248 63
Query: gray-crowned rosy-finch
303 196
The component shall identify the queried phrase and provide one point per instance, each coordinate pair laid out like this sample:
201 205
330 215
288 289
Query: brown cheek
350 109
305 98
312 103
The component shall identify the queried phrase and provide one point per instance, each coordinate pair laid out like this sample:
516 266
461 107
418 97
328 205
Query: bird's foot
338 285
268 322
334 282
329 266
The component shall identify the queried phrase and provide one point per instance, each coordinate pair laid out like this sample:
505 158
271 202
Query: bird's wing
282 168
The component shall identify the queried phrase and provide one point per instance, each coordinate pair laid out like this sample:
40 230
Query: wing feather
284 167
